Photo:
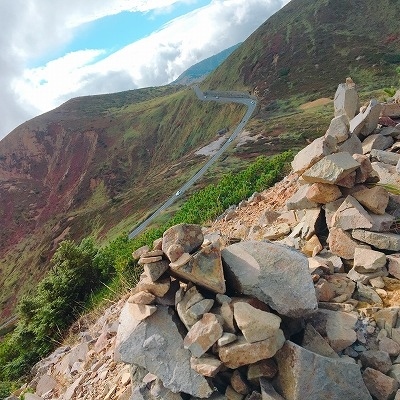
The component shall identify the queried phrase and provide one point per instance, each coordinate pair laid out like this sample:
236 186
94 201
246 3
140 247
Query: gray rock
381 223
376 359
339 128
352 145
312 153
385 241
331 169
204 269
351 215
346 100
387 173
203 334
385 157
269 272
367 120
376 141
337 326
157 345
306 375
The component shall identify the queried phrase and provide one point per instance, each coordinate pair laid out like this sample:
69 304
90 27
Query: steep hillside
199 71
309 46
91 164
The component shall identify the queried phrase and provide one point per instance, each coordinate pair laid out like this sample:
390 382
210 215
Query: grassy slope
310 46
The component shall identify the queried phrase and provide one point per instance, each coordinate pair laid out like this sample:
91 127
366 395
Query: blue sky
113 32
51 51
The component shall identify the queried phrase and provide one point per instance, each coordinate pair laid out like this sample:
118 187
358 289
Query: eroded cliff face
41 172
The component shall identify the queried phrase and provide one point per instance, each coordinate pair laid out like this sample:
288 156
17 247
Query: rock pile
305 311
304 306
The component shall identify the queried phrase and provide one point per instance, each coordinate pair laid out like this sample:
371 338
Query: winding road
220 97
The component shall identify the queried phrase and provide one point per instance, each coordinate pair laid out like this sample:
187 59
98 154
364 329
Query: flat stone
389 346
331 169
384 241
148 260
312 153
189 299
255 324
206 365
239 383
225 312
199 309
181 238
385 157
268 271
202 335
138 252
226 338
204 269
306 375
381 223
366 260
381 386
276 231
368 294
391 110
388 174
351 215
242 352
323 193
157 345
264 368
46 383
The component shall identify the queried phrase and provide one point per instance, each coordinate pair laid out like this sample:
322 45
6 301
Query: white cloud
37 26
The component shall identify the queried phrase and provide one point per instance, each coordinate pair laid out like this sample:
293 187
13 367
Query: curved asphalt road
220 97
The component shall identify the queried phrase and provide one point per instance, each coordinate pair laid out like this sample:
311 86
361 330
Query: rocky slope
292 294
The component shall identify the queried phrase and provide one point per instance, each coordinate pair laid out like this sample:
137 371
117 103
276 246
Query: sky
53 50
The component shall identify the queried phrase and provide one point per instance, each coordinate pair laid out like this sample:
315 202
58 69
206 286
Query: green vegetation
82 273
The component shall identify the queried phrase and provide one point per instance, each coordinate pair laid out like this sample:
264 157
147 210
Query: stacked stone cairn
300 317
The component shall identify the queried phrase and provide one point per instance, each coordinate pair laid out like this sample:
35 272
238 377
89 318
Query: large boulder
156 344
306 375
270 272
